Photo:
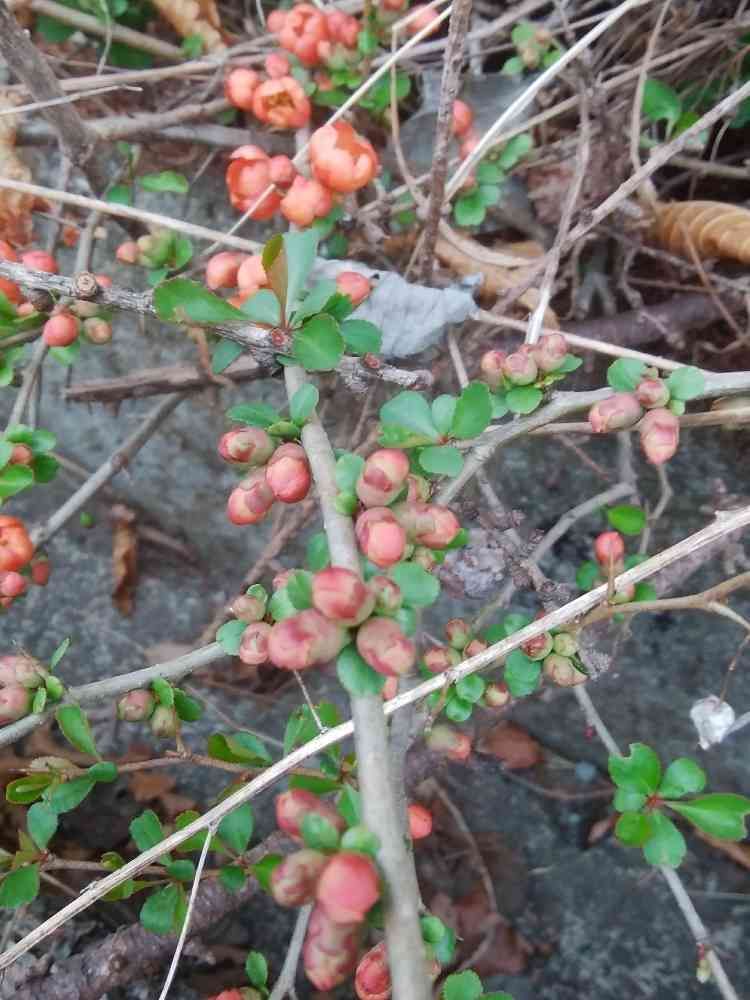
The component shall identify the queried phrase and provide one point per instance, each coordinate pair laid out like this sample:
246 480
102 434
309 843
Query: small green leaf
182 870
722 814
239 747
230 636
569 364
686 383
70 794
188 709
299 248
13 479
236 829
256 969
633 829
318 556
254 414
627 518
488 172
523 398
473 411
625 801
59 652
75 728
45 468
318 346
224 354
349 805
41 822
441 460
661 102
119 194
666 845
183 301
411 411
418 587
315 300
521 674
514 151
39 700
318 833
645 592
682 777
262 307
348 470
311 783
19 887
361 336
469 210
280 606
458 709
361 840
443 409
165 181
232 877
471 688
513 66
264 869
302 403
638 772
146 830
196 842
356 675
587 575
192 46
23 791
163 691
433 929
299 589
490 194
103 770
625 374
499 406
462 986
160 914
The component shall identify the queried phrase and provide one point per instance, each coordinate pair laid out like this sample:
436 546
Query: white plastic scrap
713 718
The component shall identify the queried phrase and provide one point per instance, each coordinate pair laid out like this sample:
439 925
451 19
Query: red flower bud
98 330
15 703
250 501
383 477
372 980
387 593
252 274
609 548
420 821
341 158
276 20
12 293
615 413
549 352
60 330
136 706
288 473
565 644
390 688
16 548
330 950
222 268
424 16
425 558
491 368
382 644
7 252
21 455
463 118
12 584
282 103
164 723
305 201
562 671
303 28
293 881
474 647
277 65
496 695
248 176
294 805
22 670
353 284
443 527
304 640
449 742
282 579
40 570
441 658
248 609
128 252
40 260
348 887
652 392
254 645
239 87
340 595
538 647
250 446
457 632
380 537
660 435
520 368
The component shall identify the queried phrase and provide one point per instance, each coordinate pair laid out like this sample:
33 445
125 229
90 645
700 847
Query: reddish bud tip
21 455
60 330
652 392
609 549
250 501
353 284
441 658
15 703
390 688
491 368
293 881
549 352
458 633
12 584
251 273
463 118
388 598
615 413
372 980
561 671
342 159
660 435
380 536
288 473
222 269
520 368
424 17
439 528
474 647
305 201
251 446
277 65
538 647
16 548
340 595
254 645
304 640
128 252
330 950
239 87
40 570
449 742
294 805
418 489
382 644
97 330
383 477
420 821
565 644
496 695
40 260
164 723
348 887
20 670
248 608
136 706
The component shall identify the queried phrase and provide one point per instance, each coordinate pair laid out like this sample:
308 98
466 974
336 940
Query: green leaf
318 296
625 801
722 814
490 194
625 374
40 440
262 307
254 414
45 468
19 887
264 869
627 518
310 783
318 556
194 843
356 675
319 833
146 830
633 829
39 700
645 592
348 470
638 772
188 709
67 355
361 336
163 691
686 383
569 364
682 777
224 354
457 709
232 877
28 789
256 969
523 398
300 249
361 840
488 172
182 870
410 410
443 409
183 301
441 460
70 794
13 479
299 589
236 829
230 636
103 770
59 652
280 606
53 30
462 986
240 747
473 411
661 102
41 822
6 450
499 406
587 575
471 688
445 948
349 805
318 346
469 210
514 151
513 66
418 587
666 845
302 403
75 728
521 674
166 180
433 929
192 46
161 913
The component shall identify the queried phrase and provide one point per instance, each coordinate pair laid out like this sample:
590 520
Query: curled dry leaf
15 208
194 17
124 558
512 745
713 228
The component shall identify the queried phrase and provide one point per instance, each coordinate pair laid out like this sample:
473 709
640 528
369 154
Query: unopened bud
420 821
249 502
251 446
21 455
538 647
254 644
248 609
457 632
491 368
304 640
441 658
388 597
389 689
293 881
380 537
348 887
40 570
98 330
40 260
288 473
294 805
353 284
15 703
12 584
520 368
417 488
382 644
239 86
20 669
60 330
562 671
425 558
449 742
330 950
550 352
222 268
383 477
652 392
565 644
615 413
372 980
128 252
164 723
660 435
443 527
609 549
497 695
340 595
474 647
136 706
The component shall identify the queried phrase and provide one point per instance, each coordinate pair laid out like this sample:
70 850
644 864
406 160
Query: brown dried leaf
512 745
124 558
194 17
713 228
156 786
602 828
15 208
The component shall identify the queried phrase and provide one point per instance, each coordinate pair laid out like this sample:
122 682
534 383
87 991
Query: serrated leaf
103 770
521 674
19 887
418 587
721 814
165 181
361 336
686 383
236 829
627 518
254 414
682 777
230 636
523 399
224 354
146 830
441 460
625 374
41 822
639 772
262 307
318 345
182 870
303 402
666 845
75 728
356 675
183 301
473 411
411 411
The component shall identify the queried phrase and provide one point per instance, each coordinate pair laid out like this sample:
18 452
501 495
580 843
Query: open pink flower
282 103
303 29
305 201
248 175
341 159
239 87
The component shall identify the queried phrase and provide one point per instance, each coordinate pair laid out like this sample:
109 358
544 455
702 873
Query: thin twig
288 973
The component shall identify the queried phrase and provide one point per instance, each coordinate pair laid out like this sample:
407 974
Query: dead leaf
189 17
601 829
156 786
124 558
739 853
15 207
511 744
714 229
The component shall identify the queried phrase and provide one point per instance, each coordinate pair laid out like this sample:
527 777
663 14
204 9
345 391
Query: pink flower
303 29
239 87
248 176
463 118
341 159
282 103
305 201
660 435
